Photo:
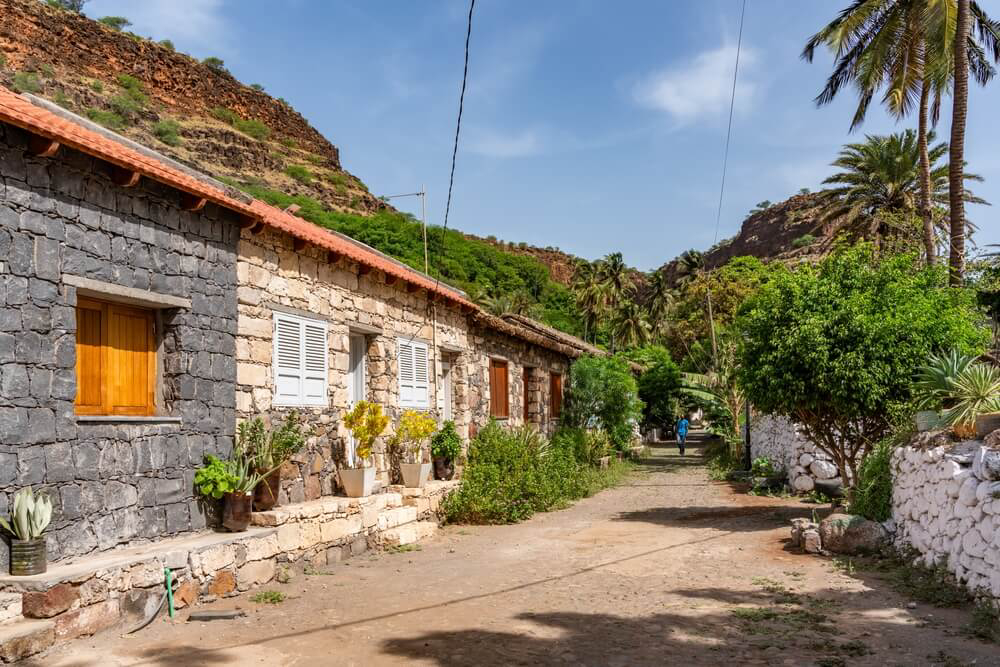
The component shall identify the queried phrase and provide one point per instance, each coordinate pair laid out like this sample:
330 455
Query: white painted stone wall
781 440
946 506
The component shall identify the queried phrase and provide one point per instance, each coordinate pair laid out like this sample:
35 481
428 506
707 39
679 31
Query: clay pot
265 495
444 468
986 423
925 420
27 557
415 474
236 510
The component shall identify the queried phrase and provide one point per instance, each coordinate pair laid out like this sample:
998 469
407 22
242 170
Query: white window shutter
405 363
421 384
300 360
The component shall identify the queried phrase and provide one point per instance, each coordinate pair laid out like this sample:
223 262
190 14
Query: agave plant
934 386
31 515
975 391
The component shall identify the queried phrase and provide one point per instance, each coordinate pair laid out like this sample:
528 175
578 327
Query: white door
355 382
445 391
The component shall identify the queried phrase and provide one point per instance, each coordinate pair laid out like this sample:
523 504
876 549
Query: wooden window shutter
555 395
89 358
499 394
116 359
301 360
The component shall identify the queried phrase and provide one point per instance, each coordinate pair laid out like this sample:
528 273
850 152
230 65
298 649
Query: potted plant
975 394
366 423
934 388
233 481
269 451
28 520
446 448
412 432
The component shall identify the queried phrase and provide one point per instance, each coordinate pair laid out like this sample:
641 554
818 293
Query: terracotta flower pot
415 474
986 423
265 495
27 557
444 468
358 482
236 510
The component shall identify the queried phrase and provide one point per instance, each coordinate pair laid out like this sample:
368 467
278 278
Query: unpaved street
670 569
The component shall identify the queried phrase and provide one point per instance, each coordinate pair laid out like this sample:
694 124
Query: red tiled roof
18 111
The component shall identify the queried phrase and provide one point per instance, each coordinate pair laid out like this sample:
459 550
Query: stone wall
274 276
781 440
946 506
113 482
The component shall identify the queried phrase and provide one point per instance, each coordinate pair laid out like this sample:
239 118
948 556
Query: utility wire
729 130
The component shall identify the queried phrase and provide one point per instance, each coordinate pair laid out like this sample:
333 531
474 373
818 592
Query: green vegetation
835 347
3 61
167 131
61 99
251 128
108 119
299 173
216 64
257 87
511 474
167 44
659 390
68 5
474 266
603 390
872 494
804 241
26 82
446 443
97 86
118 23
268 597
46 70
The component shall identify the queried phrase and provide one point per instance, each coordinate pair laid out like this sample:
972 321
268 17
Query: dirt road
671 569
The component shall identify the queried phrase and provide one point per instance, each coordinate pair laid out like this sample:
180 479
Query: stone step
10 607
25 637
408 533
396 516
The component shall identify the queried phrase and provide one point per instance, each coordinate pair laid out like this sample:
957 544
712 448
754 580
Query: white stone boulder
851 535
803 483
823 469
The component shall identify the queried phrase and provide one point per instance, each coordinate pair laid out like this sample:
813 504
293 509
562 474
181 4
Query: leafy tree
257 87
908 47
602 391
68 5
715 387
835 346
882 175
118 23
218 64
659 389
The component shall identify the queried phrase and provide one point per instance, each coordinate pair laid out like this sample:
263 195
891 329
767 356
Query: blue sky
590 126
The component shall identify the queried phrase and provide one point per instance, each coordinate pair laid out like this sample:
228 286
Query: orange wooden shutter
89 358
555 395
499 398
524 398
129 361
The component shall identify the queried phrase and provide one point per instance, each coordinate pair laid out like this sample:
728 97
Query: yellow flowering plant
412 431
367 423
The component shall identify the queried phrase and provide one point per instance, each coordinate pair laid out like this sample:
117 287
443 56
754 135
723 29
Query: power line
729 130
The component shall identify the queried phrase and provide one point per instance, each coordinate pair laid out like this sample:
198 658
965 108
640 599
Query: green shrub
26 82
253 128
446 443
803 241
872 494
299 173
118 23
225 115
167 44
511 474
47 70
3 61
659 390
61 99
167 131
257 87
216 64
124 105
603 391
108 119
97 86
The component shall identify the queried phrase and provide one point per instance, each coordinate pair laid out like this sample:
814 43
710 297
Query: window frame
304 373
495 394
107 404
556 397
420 401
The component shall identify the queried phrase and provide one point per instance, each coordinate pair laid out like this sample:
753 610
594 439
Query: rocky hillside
789 231
194 112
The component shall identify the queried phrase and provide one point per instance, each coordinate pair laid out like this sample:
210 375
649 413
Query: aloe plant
30 516
934 386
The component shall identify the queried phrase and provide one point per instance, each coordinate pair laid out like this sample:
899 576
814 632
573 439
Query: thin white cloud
700 86
197 24
494 144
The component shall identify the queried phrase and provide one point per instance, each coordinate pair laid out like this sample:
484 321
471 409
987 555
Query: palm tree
883 175
956 189
909 47
630 325
661 297
690 266
618 281
590 294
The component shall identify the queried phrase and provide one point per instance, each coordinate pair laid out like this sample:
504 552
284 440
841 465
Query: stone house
117 263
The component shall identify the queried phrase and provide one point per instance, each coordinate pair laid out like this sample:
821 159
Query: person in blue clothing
682 433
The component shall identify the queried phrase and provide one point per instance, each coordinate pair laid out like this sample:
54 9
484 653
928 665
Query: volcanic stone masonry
114 481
